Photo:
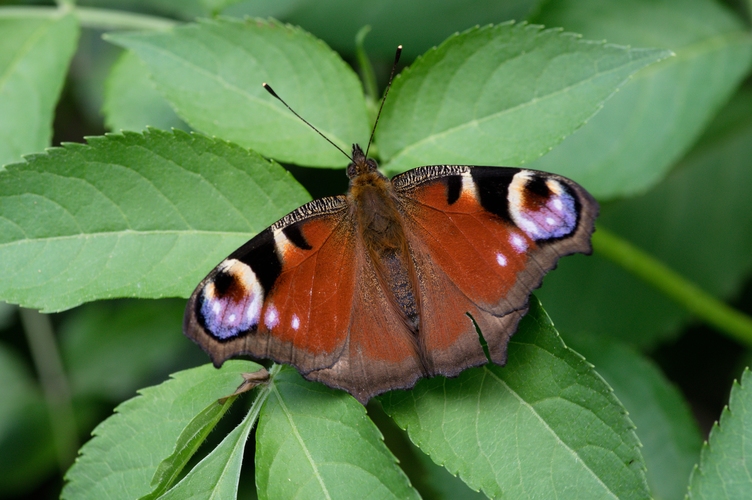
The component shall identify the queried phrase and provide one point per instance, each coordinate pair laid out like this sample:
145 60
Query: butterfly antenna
273 93
386 93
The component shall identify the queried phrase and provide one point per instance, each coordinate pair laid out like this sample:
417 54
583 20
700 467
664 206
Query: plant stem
106 19
44 352
101 19
366 69
689 295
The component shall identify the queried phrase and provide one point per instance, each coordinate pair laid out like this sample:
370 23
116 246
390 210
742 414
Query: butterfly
373 290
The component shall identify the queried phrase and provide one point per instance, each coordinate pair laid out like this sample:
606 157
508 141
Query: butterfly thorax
380 229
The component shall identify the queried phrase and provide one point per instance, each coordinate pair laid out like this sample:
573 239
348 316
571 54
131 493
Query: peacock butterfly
372 290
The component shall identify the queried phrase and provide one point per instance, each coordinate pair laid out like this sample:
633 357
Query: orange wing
302 292
482 238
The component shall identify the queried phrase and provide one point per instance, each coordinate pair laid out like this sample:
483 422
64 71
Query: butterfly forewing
290 293
303 292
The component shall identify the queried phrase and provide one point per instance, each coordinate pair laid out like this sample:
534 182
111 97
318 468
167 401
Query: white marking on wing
501 260
271 318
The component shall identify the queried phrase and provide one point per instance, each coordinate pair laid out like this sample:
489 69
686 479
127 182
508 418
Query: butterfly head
360 164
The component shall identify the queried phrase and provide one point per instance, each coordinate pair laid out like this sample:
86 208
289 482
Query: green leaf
128 447
131 215
315 442
212 72
27 450
725 469
34 54
188 443
655 118
417 25
188 9
500 95
543 426
681 222
217 475
666 428
112 349
131 102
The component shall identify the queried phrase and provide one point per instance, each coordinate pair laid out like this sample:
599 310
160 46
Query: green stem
101 19
44 352
692 297
106 19
366 69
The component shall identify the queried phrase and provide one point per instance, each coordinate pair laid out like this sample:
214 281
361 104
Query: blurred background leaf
132 103
650 123
26 448
35 50
205 72
417 25
699 220
111 348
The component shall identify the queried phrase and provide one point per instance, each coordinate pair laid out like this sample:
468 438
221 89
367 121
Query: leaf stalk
94 18
54 382
687 294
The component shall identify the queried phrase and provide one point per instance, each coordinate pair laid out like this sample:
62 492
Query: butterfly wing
303 292
482 238
381 353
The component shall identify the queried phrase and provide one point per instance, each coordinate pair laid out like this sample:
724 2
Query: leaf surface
133 215
121 458
211 73
630 145
131 102
216 476
34 54
499 95
725 470
543 426
315 442
665 425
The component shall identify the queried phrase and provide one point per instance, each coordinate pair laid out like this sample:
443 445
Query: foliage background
668 157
